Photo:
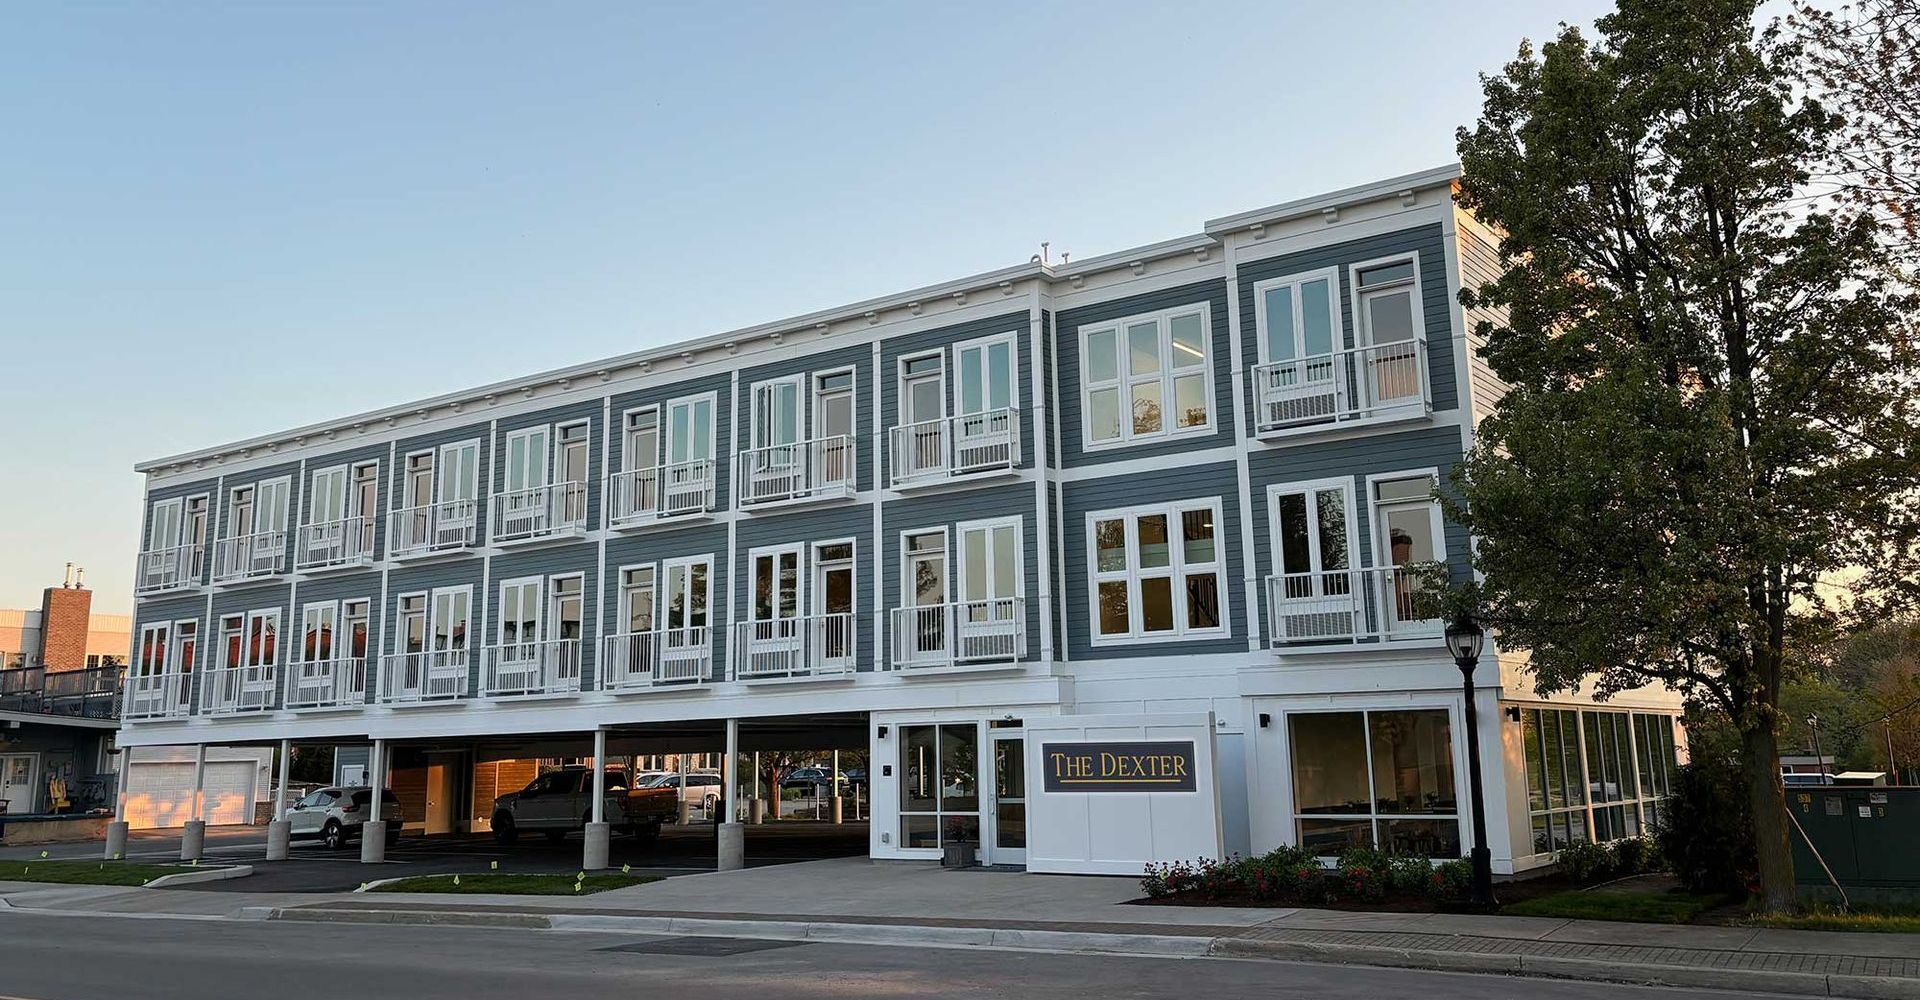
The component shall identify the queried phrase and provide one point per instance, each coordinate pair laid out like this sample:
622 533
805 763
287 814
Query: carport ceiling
838 731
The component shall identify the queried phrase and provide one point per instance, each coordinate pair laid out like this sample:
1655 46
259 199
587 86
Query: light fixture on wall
882 733
1265 720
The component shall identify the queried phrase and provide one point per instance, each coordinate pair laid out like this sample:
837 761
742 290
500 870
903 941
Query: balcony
431 529
934 451
92 693
556 510
164 695
249 557
347 543
639 497
817 646
822 469
1369 604
662 658
424 677
531 668
336 683
234 690
1378 383
964 633
168 569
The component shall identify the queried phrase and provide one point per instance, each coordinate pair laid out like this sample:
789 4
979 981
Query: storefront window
939 784
1367 779
1593 775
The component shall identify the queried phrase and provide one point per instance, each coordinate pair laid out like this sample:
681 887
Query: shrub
1410 876
1363 874
1634 856
1450 881
1706 833
1585 862
1168 878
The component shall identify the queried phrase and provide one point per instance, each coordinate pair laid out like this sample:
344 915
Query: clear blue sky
217 221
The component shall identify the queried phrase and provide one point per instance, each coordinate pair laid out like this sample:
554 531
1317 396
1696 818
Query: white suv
335 815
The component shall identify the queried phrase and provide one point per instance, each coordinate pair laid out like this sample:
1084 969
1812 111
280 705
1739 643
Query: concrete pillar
836 788
117 829
193 838
599 832
756 811
373 833
280 830
598 845
732 837
686 808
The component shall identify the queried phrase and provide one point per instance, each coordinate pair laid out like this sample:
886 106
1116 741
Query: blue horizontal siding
946 510
892 349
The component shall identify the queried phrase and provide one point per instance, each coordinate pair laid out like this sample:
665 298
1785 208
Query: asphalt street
163 959
311 867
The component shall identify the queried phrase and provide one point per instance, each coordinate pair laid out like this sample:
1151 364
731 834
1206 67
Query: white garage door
161 793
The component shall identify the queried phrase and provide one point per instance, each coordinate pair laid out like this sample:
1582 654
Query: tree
1711 403
1863 58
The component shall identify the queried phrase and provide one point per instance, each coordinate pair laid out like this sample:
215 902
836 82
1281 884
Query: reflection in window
1375 779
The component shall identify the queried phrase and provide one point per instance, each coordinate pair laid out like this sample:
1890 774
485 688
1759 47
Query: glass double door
1008 843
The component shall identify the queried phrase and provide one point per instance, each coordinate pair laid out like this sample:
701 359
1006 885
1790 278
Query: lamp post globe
1465 639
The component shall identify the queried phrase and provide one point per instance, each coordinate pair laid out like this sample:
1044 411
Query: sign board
1136 766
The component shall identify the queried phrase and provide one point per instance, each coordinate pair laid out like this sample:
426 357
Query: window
1147 377
1595 775
1387 308
939 784
637 600
1375 779
1158 572
1298 320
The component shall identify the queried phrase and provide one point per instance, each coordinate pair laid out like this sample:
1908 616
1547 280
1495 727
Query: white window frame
338 512
1312 486
946 566
539 584
758 414
901 379
1124 380
1383 559
1363 332
1176 570
627 464
985 345
1457 752
712 399
1331 275
621 591
665 573
470 482
812 566
958 568
550 596
801 567
503 459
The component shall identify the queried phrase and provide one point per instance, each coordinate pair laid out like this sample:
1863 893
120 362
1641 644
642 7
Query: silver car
336 815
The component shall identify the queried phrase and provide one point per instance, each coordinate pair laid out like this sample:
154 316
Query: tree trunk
1768 796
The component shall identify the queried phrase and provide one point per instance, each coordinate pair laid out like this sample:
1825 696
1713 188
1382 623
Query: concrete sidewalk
921 904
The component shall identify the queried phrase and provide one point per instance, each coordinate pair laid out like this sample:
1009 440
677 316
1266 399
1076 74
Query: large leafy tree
1711 403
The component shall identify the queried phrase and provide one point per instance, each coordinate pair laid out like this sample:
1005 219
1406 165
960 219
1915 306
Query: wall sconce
1265 720
882 734
1513 713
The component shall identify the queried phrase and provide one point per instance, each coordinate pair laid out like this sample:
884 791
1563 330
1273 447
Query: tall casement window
1314 592
1375 779
939 784
1387 308
1595 775
666 460
1407 533
1158 572
1147 377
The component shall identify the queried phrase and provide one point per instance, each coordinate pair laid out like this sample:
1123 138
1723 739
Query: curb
206 875
1156 945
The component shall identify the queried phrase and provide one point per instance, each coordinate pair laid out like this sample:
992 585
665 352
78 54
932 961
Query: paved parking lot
313 868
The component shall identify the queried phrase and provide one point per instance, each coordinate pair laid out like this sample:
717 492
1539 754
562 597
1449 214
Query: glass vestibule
939 784
1375 779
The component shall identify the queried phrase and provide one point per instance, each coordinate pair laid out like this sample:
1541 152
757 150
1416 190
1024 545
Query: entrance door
439 811
16 783
1009 845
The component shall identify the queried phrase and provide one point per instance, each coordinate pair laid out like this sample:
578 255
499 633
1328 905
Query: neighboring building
1103 561
59 701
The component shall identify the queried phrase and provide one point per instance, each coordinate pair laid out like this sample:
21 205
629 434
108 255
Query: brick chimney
64 614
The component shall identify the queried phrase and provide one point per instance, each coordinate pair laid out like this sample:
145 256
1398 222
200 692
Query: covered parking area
765 785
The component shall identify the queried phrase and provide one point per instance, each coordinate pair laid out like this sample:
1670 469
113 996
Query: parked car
818 777
703 789
336 815
559 802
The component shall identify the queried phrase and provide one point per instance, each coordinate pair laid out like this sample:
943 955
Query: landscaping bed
87 872
515 885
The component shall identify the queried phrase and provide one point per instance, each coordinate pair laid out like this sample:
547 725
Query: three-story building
1103 562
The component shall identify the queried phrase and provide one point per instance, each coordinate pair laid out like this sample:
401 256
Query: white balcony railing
348 541
429 528
170 568
939 635
814 646
434 675
1383 380
229 690
548 667
638 496
932 450
539 512
163 695
637 661
1366 604
337 683
807 469
246 557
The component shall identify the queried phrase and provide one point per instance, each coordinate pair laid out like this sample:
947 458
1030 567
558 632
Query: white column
599 775
376 779
280 789
200 782
117 830
730 836
835 786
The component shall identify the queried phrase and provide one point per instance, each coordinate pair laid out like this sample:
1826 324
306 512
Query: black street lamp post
1464 640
